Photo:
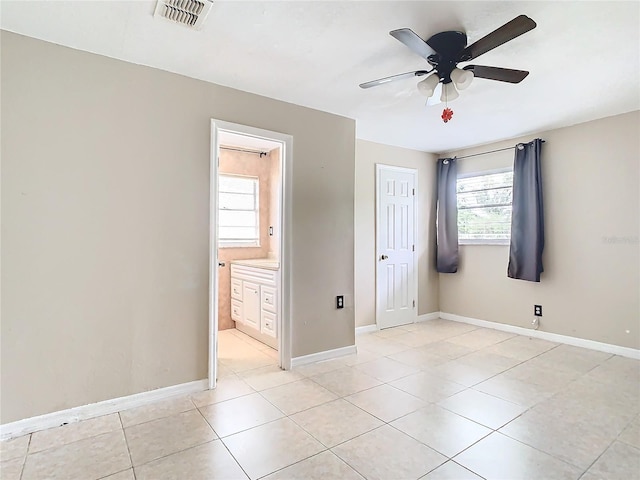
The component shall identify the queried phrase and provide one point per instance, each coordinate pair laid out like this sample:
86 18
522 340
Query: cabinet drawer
269 323
236 310
268 299
236 289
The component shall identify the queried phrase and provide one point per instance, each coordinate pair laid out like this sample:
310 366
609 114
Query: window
238 211
484 208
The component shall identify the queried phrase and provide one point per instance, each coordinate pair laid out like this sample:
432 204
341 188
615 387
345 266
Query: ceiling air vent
191 13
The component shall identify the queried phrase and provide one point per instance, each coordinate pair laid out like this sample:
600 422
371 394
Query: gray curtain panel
527 218
447 217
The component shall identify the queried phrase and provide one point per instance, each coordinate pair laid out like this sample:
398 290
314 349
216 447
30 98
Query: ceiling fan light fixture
427 86
449 92
461 78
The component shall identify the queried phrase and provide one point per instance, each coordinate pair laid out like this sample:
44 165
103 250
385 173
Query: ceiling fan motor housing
448 46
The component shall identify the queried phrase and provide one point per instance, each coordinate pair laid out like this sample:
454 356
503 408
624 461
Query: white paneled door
395 246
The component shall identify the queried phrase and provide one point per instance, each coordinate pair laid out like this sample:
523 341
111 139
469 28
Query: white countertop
268 263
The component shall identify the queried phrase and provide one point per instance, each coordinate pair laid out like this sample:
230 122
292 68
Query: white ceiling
584 58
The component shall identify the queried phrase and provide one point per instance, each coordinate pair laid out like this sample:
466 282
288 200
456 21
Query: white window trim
485 241
247 243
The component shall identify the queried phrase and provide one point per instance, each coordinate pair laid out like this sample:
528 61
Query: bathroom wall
274 210
240 163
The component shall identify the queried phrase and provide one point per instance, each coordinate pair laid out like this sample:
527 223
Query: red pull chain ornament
447 114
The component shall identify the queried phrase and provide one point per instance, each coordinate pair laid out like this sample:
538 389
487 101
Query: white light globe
462 78
449 92
427 86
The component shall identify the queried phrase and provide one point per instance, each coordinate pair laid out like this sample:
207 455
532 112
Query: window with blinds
484 208
238 211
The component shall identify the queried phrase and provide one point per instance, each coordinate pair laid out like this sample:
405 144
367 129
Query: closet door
251 304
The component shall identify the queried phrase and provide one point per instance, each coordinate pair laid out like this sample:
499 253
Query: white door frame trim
284 317
414 172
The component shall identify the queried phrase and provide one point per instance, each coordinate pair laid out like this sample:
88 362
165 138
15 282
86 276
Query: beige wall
590 288
368 154
105 225
241 163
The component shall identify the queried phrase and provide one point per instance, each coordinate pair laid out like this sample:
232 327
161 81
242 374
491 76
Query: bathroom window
238 211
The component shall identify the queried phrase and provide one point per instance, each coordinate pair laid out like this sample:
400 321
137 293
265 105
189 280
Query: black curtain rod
490 151
255 152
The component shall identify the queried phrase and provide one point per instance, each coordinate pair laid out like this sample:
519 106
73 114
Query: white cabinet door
251 304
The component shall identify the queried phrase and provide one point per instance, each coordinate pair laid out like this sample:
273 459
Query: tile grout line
223 444
126 442
528 409
24 460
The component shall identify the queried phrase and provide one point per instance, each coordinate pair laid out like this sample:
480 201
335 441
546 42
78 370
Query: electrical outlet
537 310
340 301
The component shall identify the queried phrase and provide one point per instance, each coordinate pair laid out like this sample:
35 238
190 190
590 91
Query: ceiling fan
445 50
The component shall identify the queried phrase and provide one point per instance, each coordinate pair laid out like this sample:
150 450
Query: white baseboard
425 317
85 412
366 329
551 337
326 355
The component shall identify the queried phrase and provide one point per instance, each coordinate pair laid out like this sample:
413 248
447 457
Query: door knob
383 257
221 264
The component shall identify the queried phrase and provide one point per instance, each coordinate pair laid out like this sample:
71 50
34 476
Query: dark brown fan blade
393 78
497 73
413 41
508 31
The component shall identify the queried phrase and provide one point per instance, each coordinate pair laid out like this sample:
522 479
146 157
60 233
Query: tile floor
435 400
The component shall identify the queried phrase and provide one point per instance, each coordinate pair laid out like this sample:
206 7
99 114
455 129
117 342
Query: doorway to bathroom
249 308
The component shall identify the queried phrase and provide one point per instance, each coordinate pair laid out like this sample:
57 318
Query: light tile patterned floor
435 400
